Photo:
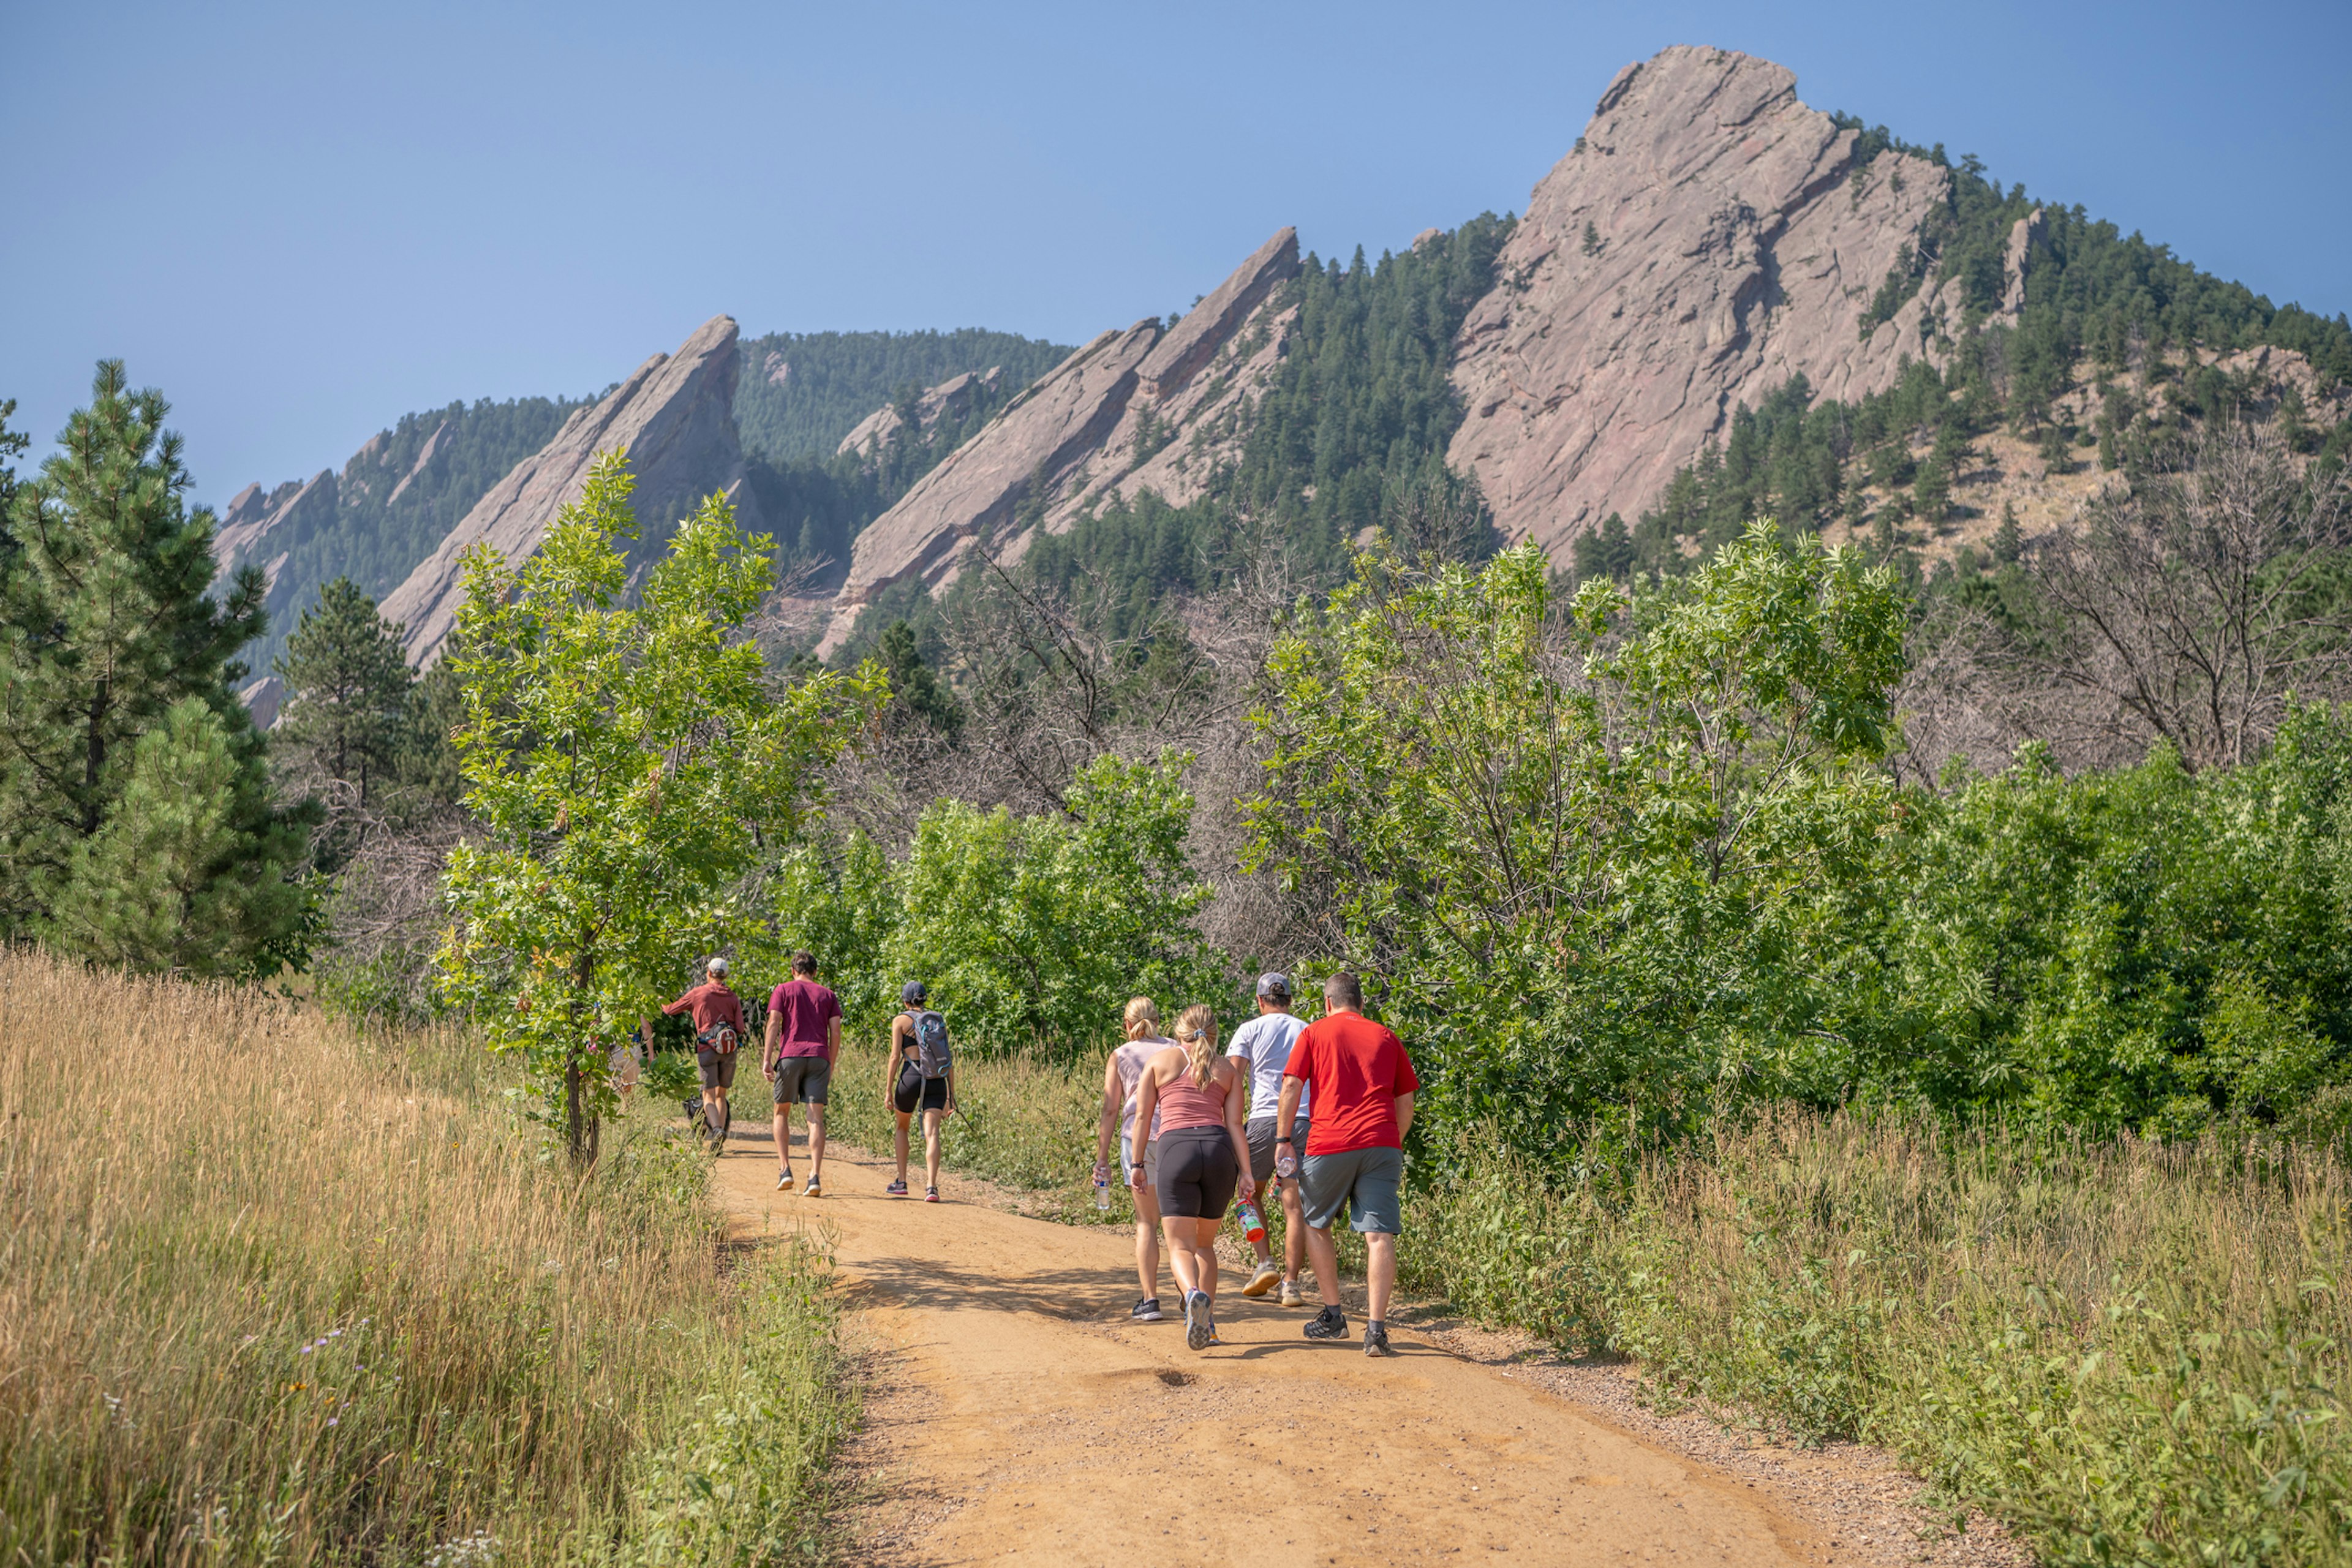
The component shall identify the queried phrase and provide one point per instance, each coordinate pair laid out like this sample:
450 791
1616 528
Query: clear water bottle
1286 1162
1253 1223
1102 1189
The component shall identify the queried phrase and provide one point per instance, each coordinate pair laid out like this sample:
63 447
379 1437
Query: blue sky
303 220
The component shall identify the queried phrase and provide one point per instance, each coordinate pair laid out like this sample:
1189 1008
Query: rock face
674 416
948 400
1142 409
1710 237
254 518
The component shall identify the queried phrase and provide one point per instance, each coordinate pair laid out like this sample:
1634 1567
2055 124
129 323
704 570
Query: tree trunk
574 1133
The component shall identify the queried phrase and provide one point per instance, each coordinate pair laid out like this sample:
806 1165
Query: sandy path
1024 1420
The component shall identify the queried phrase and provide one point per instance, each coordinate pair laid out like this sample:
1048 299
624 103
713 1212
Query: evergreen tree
347 691
105 629
913 686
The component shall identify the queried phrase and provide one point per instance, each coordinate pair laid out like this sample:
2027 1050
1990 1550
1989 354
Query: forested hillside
801 391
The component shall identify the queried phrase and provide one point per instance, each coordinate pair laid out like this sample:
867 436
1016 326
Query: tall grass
2134 1352
2137 1353
271 1292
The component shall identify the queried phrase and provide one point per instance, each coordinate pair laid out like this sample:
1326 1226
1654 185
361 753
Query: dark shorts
1260 1133
802 1079
717 1068
915 1092
1198 1172
1363 1181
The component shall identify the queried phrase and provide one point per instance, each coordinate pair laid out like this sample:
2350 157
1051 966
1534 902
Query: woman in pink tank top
1198 1096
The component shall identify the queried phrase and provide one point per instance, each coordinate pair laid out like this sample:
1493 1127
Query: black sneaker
1376 1340
1330 1323
1145 1310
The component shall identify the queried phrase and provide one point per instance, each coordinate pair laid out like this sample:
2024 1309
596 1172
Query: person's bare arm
1114 1094
1404 1113
1234 1090
890 1063
833 1040
1287 1111
952 1100
775 1038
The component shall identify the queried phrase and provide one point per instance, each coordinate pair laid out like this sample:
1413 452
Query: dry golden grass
271 1292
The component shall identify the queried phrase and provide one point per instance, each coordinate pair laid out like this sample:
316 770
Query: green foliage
347 691
1587 862
108 638
624 765
1031 932
798 394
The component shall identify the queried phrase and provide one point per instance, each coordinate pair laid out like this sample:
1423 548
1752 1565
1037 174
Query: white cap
716 966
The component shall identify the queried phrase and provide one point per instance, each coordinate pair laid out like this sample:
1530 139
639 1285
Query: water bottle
1285 1163
1102 1189
1253 1223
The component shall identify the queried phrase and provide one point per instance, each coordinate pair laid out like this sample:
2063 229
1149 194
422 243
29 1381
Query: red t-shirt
1357 1068
710 1003
804 1008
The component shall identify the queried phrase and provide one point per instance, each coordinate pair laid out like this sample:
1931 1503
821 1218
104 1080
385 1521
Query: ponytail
1196 1031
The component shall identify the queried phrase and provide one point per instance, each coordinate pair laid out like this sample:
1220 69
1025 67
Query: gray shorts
1150 1163
1260 1134
1364 1180
802 1079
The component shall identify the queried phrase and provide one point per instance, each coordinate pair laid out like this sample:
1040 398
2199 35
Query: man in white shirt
1262 1047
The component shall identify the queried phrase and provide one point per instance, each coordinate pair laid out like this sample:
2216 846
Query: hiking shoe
1145 1312
1262 1280
784 1180
1198 1330
1376 1340
1292 1296
1330 1323
930 1194
813 1190
897 1189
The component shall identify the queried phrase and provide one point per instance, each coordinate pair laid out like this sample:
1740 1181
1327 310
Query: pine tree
347 691
912 683
105 629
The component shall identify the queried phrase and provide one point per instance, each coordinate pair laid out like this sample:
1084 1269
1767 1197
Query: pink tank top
1183 1105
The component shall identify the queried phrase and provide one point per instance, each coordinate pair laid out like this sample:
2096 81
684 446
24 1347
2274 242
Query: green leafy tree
347 685
627 764
1589 859
106 628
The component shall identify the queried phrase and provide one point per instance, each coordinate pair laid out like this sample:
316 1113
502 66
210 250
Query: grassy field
2134 1352
274 1292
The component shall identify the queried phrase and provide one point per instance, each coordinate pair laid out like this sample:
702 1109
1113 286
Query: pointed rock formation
253 519
674 416
1142 409
1709 238
949 399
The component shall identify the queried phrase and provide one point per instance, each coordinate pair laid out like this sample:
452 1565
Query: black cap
912 994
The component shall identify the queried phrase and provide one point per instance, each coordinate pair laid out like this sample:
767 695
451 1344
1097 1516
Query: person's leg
1294 1231
1325 1258
1259 1135
931 1121
1183 1260
814 1110
1204 1262
905 1116
1379 1274
1324 1181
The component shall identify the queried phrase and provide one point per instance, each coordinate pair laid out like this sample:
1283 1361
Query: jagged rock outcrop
675 414
949 399
1709 238
1148 408
2023 236
254 518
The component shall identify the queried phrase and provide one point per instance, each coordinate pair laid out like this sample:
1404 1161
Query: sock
1375 1323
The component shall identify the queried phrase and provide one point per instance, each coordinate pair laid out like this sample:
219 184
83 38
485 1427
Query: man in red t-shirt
803 1038
718 1030
1354 1157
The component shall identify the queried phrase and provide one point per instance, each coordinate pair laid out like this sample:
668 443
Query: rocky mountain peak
1708 237
675 416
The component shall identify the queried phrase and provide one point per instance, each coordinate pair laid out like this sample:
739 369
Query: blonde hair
1196 1031
1142 1010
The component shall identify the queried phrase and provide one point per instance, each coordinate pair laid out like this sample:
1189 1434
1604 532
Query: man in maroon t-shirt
1354 1158
803 1038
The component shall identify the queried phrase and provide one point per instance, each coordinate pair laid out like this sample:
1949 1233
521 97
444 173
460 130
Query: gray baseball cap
1274 986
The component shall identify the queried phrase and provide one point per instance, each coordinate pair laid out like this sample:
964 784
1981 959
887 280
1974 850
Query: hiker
1140 1023
718 1030
804 1042
625 1063
1194 1097
920 1076
1262 1046
1354 1154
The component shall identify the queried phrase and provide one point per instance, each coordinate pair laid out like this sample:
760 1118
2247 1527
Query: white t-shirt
1263 1047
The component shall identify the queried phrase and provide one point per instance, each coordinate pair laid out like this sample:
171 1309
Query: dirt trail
1023 1419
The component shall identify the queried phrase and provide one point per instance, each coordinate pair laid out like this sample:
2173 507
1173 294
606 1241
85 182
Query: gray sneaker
1292 1296
1376 1340
1198 1330
1330 1323
1145 1312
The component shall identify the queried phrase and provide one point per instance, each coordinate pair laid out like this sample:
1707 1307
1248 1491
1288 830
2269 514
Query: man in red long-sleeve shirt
717 1031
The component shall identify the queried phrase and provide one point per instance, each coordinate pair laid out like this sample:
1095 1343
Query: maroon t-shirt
804 1008
710 1003
1358 1069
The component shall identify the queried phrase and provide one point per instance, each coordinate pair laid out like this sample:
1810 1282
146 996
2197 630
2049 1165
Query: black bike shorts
1198 1172
915 1092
